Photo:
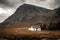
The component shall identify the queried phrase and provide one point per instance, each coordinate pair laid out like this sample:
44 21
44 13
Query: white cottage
35 28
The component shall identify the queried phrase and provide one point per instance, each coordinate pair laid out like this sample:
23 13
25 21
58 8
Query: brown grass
24 32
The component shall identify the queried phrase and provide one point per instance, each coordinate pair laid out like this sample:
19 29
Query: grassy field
11 33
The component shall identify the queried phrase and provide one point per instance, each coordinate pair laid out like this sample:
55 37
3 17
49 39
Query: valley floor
24 33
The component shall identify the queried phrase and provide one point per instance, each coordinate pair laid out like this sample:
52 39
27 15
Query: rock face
28 15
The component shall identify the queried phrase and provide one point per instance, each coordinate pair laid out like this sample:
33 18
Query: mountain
28 15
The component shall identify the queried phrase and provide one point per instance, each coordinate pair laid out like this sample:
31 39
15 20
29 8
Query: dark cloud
42 0
58 2
8 7
5 2
49 4
11 2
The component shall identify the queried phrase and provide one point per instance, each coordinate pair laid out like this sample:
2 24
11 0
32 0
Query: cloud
58 2
8 7
11 2
49 4
3 2
5 13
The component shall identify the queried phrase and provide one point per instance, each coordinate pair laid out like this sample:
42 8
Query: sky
8 7
49 4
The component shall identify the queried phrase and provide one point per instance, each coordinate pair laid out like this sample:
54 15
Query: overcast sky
8 7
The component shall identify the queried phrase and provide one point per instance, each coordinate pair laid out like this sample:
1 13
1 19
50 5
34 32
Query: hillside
28 15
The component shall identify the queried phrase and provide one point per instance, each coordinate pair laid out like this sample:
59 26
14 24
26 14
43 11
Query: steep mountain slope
28 15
